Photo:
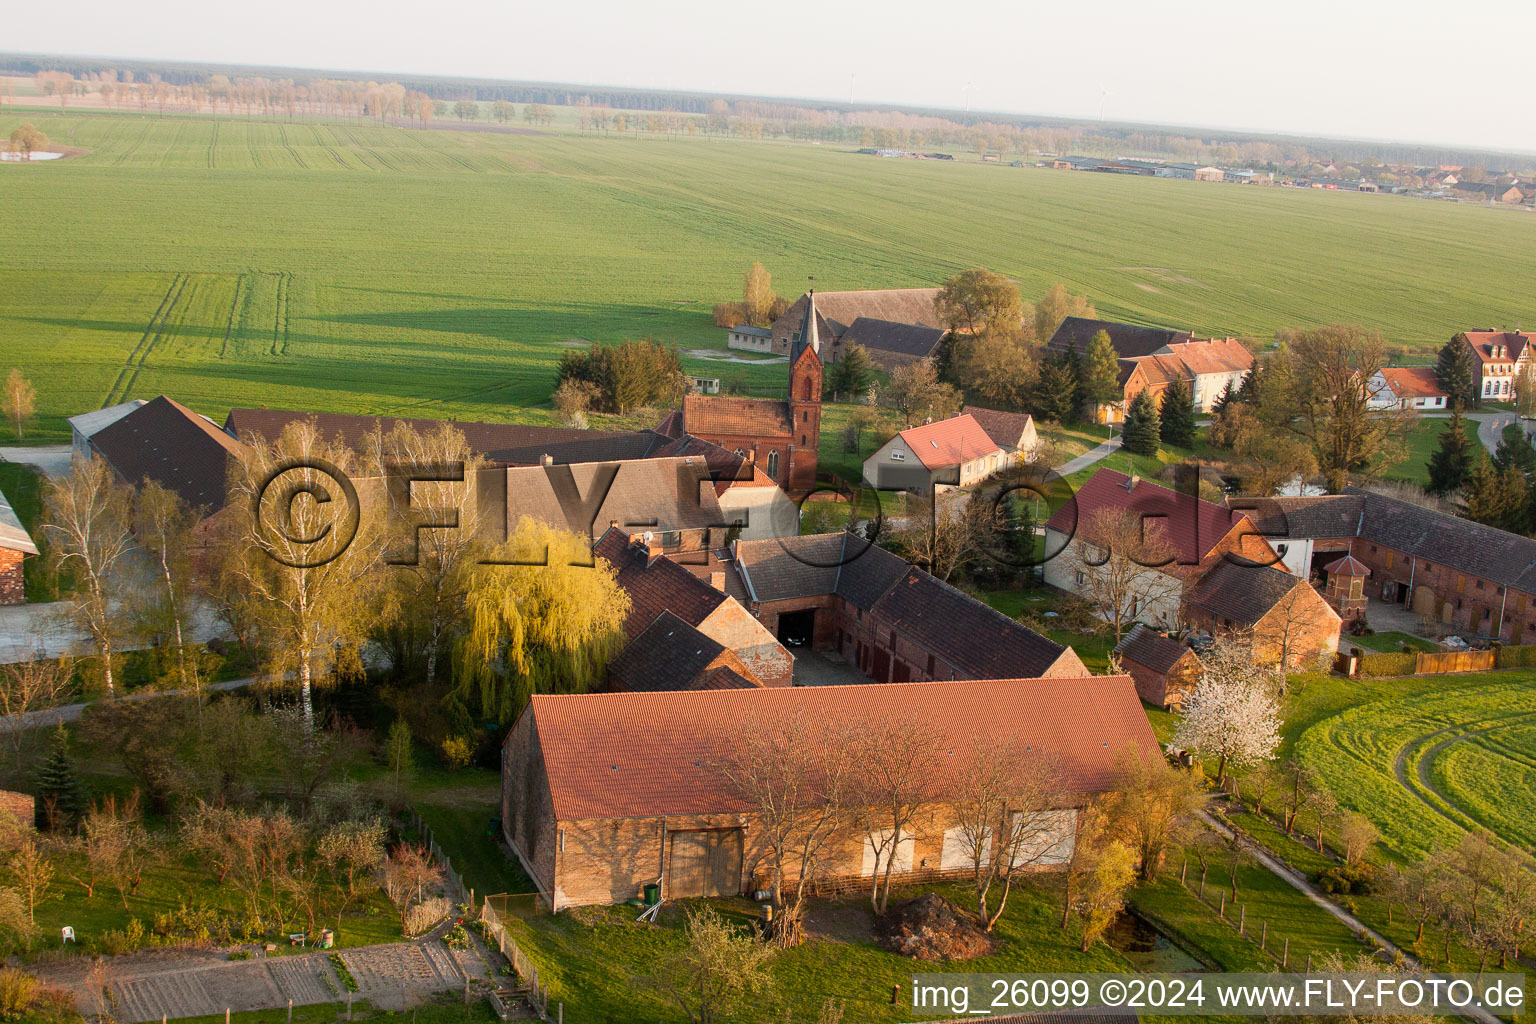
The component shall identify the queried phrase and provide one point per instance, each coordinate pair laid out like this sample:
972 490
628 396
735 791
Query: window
930 666
773 462
897 456
671 539
1081 579
1389 559
1356 587
1461 584
1479 584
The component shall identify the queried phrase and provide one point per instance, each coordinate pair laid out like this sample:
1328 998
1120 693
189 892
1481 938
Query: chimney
717 580
547 460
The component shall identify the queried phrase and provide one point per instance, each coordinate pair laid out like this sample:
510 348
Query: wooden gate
704 863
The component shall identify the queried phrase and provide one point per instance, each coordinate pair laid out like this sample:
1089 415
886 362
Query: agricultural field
364 268
1428 765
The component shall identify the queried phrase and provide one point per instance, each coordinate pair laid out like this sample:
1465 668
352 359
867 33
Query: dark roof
655 585
1349 565
888 336
867 572
642 755
1131 341
1307 518
168 443
512 443
780 569
670 654
659 495
1242 593
1146 646
1004 428
977 639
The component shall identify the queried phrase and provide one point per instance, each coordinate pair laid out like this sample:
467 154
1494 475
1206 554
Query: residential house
837 311
933 457
15 546
1491 192
1498 357
892 344
1013 432
892 621
1165 671
780 437
746 338
605 793
84 426
1223 575
1462 575
1153 357
1406 387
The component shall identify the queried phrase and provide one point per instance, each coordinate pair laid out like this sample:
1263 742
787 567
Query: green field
362 268
1427 765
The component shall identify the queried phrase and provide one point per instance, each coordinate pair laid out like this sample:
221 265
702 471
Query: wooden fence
1455 661
526 970
457 891
1421 664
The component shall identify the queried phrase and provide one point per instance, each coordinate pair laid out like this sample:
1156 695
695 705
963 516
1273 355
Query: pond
1149 950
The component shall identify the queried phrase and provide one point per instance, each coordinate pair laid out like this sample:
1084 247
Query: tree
1454 373
852 374
915 389
860 421
1101 372
542 619
1357 834
1451 463
59 790
1140 433
797 778
1493 496
1317 386
1154 806
19 402
1098 872
942 533
627 376
1001 806
163 524
896 774
406 873
27 686
1514 450
1176 415
116 845
1323 806
1232 715
86 516
28 139
466 110
308 599
397 753
1119 561
503 111
1054 388
977 302
757 296
33 871
1055 306
352 850
717 967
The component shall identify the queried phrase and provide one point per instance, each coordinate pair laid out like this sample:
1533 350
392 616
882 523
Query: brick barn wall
732 626
1307 632
527 811
20 806
1479 598
11 589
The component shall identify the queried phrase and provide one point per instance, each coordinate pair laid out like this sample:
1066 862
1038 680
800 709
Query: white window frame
898 456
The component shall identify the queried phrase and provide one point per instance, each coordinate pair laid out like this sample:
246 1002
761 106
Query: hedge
1404 663
1523 656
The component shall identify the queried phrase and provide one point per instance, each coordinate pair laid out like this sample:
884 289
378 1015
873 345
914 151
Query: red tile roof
1192 525
655 586
949 442
641 755
717 414
1482 343
1349 565
1212 355
1412 381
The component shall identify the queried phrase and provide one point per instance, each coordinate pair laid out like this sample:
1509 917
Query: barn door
704 863
881 669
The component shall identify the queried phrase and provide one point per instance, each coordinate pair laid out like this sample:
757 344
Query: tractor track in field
234 311
130 371
1427 759
280 318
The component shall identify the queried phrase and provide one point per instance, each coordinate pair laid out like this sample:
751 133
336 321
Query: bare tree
163 524
916 390
406 873
897 769
1004 819
1357 834
1119 561
27 686
33 871
797 778
86 518
943 533
1154 806
19 402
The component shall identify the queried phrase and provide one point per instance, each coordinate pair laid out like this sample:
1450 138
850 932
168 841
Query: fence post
349 1004
1242 919
1184 871
1309 963
1264 936
560 1013
1285 956
1222 912
290 1011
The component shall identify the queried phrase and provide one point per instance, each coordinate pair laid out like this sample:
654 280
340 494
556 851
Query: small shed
1346 586
1165 671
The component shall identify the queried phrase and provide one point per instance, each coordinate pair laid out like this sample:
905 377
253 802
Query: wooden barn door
704 863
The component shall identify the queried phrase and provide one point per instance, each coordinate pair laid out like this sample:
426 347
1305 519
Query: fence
1421 664
457 891
525 969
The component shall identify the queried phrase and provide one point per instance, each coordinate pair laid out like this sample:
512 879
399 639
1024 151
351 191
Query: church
779 436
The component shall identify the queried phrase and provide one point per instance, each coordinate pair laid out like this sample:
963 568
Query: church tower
805 400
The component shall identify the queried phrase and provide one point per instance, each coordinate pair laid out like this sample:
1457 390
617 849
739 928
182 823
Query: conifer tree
1177 415
1052 399
1074 364
1451 463
1140 435
1101 371
1453 372
1515 450
60 793
1226 398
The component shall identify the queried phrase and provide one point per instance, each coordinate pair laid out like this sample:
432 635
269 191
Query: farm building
746 338
954 452
84 426
1013 432
893 344
837 311
1151 358
179 449
605 793
15 546
1288 621
1165 671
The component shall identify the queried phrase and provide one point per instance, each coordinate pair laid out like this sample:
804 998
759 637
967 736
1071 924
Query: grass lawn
1390 642
448 1009
375 269
1423 440
23 489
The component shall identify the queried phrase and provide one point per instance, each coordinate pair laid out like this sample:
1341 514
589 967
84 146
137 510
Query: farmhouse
778 437
1165 671
890 620
15 546
836 313
605 793
1497 359
1449 570
1223 576
1151 358
954 452
1013 432
1406 387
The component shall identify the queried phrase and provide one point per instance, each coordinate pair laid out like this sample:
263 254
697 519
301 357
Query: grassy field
376 269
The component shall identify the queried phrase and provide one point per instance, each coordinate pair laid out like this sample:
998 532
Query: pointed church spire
807 336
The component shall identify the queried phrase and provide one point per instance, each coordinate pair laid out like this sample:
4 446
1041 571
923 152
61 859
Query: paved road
1489 424
1089 457
51 459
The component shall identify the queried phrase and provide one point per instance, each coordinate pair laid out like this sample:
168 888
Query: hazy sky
1363 70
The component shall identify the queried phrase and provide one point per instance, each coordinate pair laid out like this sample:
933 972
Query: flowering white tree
1233 713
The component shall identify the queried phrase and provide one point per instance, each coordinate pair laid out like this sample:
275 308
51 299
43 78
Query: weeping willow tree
546 627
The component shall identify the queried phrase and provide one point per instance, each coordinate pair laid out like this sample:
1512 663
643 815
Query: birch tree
19 401
897 771
86 519
163 524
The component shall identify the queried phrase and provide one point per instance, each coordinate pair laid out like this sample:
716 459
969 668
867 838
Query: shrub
1402 664
240 954
17 991
1523 656
1356 880
457 752
349 982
